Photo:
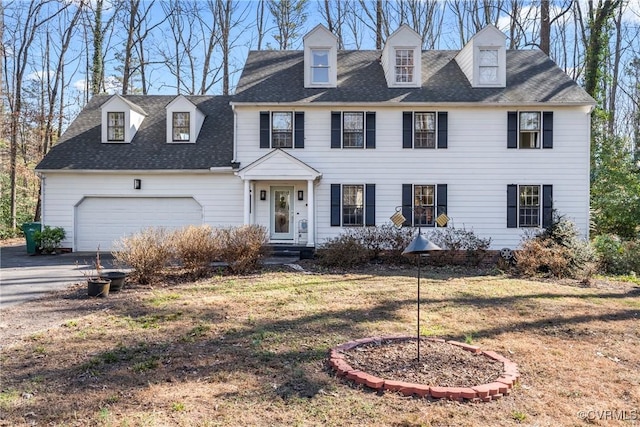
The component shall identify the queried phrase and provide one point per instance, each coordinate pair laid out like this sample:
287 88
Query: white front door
281 213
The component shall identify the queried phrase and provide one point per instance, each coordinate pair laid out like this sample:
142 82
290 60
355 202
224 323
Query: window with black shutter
425 129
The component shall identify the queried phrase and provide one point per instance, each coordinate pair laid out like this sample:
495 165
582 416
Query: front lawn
251 351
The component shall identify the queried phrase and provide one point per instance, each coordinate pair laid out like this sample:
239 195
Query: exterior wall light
137 184
263 194
300 195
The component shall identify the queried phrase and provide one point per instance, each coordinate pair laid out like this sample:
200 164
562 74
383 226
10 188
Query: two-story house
318 140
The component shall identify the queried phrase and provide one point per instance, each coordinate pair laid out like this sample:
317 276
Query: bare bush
242 248
358 246
195 248
558 251
344 251
147 253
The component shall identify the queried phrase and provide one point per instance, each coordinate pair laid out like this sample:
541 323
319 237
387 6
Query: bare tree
289 17
28 18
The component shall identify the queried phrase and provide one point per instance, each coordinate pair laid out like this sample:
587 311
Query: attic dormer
320 58
402 58
121 119
484 58
184 121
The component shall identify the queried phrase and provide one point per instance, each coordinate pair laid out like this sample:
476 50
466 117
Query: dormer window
320 58
320 66
120 119
404 66
401 58
181 126
488 66
115 126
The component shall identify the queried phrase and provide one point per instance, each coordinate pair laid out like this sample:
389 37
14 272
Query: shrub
147 253
49 239
195 248
242 248
358 246
343 251
453 239
557 251
617 256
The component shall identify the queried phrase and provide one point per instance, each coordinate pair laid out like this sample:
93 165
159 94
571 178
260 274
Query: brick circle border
500 387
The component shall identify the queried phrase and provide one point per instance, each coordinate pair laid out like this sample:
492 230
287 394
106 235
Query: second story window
529 124
425 130
404 66
319 66
353 130
281 130
115 126
181 126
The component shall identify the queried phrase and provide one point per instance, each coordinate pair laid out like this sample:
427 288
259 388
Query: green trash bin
29 229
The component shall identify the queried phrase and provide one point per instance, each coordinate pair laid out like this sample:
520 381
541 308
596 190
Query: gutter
214 169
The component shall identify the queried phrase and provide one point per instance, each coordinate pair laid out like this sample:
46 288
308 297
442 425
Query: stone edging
483 392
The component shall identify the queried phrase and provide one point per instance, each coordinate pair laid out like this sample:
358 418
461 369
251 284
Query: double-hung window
353 205
529 125
115 126
404 67
281 129
320 66
423 203
353 129
488 66
424 134
424 129
529 205
530 129
181 126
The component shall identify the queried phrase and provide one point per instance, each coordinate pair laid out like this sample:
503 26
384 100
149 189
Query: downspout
235 133
42 187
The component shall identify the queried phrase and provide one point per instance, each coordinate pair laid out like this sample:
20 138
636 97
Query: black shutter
512 206
441 199
298 137
442 129
547 205
335 205
407 129
407 204
336 129
547 129
512 129
370 206
265 129
370 126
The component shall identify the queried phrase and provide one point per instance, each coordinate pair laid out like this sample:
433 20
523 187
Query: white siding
477 166
220 195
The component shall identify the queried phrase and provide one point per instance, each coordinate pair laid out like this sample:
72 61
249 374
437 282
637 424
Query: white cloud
79 85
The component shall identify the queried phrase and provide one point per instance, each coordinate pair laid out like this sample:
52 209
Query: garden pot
117 279
98 287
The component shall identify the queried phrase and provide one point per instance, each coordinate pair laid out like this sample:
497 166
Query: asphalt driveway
24 277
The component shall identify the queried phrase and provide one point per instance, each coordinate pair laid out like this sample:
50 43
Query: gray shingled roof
278 76
81 147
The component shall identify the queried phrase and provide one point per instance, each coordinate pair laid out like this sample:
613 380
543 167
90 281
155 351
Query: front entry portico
279 194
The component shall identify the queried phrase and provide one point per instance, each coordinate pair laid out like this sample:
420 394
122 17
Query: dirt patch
441 364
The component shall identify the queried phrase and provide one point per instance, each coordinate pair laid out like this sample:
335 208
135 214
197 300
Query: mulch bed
441 364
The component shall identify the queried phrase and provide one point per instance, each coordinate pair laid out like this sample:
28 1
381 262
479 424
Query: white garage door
104 220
